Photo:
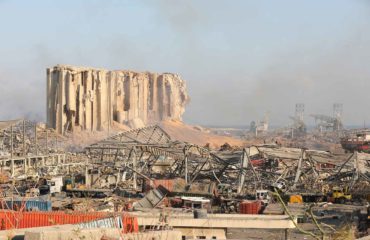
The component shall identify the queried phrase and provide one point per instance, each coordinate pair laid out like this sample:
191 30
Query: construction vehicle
297 198
341 195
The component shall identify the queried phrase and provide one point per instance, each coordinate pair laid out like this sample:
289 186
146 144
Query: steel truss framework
143 151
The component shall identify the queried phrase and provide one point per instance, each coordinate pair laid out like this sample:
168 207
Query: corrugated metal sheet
113 222
151 199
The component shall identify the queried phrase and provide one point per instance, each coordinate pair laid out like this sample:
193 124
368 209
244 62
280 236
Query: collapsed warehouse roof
143 148
150 153
312 170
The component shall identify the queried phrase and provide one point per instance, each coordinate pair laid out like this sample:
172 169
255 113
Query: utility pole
134 164
186 169
11 151
36 139
24 147
24 138
108 106
47 138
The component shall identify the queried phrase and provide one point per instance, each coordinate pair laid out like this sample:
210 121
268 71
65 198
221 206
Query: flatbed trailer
94 193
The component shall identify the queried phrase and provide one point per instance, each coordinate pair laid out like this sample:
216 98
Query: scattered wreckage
144 157
144 169
135 161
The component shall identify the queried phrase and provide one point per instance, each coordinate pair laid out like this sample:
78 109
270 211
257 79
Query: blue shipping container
27 205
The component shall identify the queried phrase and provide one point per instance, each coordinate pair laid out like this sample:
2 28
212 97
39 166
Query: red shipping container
166 183
250 207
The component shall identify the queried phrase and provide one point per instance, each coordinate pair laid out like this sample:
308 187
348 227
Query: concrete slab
60 233
218 221
70 233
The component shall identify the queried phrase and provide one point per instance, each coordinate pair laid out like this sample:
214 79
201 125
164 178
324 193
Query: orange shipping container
15 220
130 224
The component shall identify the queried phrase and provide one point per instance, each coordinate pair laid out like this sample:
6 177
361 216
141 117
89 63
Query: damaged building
91 99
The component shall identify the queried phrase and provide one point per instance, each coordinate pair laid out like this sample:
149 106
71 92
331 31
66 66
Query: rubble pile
146 170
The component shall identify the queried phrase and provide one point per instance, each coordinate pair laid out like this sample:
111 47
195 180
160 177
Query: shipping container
250 207
15 219
130 224
26 205
166 183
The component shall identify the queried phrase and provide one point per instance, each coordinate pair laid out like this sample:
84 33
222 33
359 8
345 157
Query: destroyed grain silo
91 98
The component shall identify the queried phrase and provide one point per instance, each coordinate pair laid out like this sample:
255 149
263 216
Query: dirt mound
176 129
78 140
200 136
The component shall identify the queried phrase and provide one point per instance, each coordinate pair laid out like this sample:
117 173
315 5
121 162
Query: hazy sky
240 58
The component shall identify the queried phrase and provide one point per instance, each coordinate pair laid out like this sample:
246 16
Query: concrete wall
98 234
209 233
69 232
91 99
